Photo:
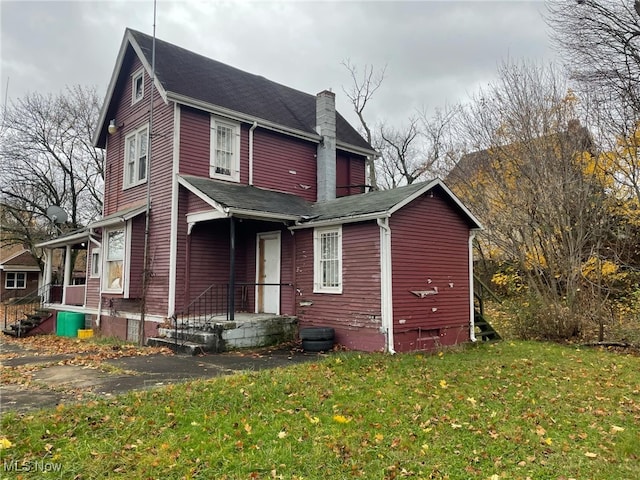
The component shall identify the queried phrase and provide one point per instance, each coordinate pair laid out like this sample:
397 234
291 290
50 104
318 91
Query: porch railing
214 302
17 308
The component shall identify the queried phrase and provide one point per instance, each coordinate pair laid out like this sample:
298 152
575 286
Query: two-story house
248 199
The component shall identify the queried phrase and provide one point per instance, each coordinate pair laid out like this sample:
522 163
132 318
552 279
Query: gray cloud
435 52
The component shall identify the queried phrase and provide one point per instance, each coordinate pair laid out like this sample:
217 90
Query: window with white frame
225 150
95 263
137 86
135 157
15 280
114 261
327 254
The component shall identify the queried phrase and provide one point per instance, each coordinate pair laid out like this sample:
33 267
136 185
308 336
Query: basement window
327 255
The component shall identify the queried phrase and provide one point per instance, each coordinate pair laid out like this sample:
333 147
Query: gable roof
231 199
192 79
246 200
22 260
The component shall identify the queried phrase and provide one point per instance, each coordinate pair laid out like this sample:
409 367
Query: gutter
253 127
386 299
472 319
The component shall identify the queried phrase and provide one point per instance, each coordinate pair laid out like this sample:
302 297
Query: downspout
472 321
253 127
386 291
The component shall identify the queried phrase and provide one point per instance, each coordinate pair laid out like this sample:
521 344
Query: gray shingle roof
187 73
280 205
364 204
245 197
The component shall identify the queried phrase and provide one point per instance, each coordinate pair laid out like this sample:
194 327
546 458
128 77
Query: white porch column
48 266
67 273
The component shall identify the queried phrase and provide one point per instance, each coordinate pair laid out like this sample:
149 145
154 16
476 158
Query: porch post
232 268
46 282
67 273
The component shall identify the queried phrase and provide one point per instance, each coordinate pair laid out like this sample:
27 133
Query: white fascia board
64 241
241 117
347 147
224 211
341 220
453 196
19 268
239 212
126 41
15 255
116 218
203 216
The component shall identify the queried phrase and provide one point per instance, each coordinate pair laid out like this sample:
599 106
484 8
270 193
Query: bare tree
420 149
48 159
538 187
363 86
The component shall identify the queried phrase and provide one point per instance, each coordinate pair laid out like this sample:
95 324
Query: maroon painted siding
133 117
356 313
284 163
350 174
430 250
31 284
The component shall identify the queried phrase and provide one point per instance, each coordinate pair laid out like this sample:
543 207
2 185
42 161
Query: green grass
507 410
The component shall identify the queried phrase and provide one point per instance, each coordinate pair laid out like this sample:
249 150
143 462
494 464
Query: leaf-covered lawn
507 410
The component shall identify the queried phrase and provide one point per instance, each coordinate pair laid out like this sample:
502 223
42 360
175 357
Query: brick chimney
326 156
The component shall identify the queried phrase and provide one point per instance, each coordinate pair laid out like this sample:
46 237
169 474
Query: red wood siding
133 117
350 174
355 314
430 250
31 284
284 163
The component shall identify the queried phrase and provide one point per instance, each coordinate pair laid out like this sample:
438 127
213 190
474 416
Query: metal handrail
213 301
25 305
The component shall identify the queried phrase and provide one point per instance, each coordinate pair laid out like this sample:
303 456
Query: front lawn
506 410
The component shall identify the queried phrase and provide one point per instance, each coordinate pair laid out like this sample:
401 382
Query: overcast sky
435 52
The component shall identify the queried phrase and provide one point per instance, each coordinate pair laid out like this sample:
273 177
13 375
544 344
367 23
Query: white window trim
138 74
104 287
235 161
15 280
125 180
95 263
317 266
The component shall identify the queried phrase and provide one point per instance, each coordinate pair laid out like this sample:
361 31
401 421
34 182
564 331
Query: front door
268 273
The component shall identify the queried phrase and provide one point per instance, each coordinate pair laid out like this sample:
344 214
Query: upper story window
135 157
224 161
95 263
113 279
327 255
15 280
137 86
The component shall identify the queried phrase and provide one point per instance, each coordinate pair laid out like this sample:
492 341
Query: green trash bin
61 319
74 322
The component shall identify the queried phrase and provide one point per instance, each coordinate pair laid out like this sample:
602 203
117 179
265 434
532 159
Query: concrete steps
246 331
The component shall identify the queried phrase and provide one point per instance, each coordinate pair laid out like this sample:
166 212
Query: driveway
33 379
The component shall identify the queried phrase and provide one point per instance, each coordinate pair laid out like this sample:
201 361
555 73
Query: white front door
268 273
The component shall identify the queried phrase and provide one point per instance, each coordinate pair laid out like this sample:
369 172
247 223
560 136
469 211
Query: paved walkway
63 384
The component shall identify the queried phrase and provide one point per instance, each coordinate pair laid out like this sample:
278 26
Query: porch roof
120 216
232 199
72 238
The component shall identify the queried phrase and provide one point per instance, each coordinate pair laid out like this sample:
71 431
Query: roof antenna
57 216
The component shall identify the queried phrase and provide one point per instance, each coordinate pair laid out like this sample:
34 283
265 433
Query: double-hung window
137 86
15 280
114 260
225 150
327 254
135 157
95 263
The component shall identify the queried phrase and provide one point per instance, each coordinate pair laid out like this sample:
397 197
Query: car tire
317 333
317 345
